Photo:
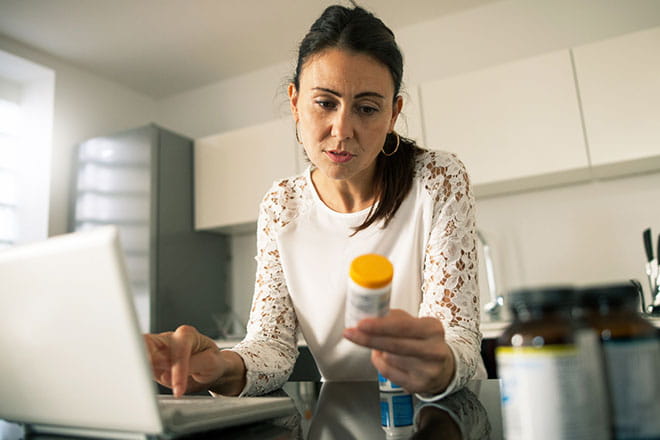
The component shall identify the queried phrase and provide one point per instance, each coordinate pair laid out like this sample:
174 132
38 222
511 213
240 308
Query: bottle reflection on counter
397 414
360 410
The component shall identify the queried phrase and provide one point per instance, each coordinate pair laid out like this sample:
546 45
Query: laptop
73 359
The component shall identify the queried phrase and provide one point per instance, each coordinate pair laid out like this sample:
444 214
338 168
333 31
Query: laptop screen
72 351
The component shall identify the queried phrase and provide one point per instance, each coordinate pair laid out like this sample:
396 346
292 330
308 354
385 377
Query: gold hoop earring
398 141
297 135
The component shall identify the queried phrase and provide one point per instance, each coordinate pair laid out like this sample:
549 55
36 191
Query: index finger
401 324
180 352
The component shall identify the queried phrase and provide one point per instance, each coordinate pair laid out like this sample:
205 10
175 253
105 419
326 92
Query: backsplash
585 233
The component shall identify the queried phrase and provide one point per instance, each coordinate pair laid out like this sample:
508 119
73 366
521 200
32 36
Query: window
10 128
26 119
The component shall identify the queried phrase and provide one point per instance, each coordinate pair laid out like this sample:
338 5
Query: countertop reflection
359 410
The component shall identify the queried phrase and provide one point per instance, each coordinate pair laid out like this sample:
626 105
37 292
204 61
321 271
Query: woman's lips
339 156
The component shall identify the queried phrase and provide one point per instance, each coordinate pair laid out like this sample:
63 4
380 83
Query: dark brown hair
359 31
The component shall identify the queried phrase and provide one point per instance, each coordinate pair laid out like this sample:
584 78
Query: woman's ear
293 100
396 110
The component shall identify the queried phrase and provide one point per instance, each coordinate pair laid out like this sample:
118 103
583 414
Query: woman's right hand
187 361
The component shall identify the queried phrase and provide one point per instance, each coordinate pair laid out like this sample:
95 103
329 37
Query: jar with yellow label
552 384
369 286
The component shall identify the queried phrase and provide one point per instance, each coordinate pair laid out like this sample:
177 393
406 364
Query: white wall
580 233
585 233
243 270
250 99
85 106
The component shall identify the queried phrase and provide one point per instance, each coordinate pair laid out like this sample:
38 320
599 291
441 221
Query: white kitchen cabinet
515 126
233 171
619 83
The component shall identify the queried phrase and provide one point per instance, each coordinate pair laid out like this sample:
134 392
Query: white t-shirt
303 257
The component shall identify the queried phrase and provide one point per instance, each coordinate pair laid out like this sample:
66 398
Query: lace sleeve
270 349
449 290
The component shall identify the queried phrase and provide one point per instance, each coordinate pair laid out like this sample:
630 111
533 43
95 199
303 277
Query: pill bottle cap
372 271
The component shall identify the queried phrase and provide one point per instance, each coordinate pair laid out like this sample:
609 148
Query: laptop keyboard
231 410
205 405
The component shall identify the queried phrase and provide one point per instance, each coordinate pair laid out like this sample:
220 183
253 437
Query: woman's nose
342 124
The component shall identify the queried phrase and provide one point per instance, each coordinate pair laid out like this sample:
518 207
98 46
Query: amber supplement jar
632 357
544 360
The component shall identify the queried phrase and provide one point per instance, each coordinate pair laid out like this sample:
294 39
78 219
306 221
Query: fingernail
349 332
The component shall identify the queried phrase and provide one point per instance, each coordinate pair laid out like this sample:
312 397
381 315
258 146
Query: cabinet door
234 170
619 82
515 126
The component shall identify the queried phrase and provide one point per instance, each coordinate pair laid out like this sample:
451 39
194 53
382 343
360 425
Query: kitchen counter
356 410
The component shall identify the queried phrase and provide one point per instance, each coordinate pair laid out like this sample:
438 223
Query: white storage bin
107 208
115 151
96 177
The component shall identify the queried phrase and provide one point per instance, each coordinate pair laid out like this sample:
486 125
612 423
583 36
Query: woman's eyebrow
359 95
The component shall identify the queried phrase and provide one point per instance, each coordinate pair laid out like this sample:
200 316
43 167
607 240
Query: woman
368 190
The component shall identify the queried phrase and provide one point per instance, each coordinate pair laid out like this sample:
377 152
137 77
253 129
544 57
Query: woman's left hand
409 351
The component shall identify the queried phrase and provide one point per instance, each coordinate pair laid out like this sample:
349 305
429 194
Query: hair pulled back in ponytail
357 30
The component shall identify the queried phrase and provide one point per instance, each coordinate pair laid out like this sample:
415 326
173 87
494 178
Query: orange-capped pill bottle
369 286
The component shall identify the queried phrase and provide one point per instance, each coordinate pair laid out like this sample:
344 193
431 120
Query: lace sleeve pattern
270 348
449 290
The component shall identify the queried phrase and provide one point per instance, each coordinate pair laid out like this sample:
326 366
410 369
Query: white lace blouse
304 252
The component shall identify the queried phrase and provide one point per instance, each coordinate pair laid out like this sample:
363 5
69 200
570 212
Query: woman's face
344 109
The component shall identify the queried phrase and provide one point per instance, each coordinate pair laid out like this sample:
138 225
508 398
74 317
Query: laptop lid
72 352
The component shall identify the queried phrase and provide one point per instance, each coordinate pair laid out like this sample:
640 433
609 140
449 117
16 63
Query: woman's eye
329 105
367 110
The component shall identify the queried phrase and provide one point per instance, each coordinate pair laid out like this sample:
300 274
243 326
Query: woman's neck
344 196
